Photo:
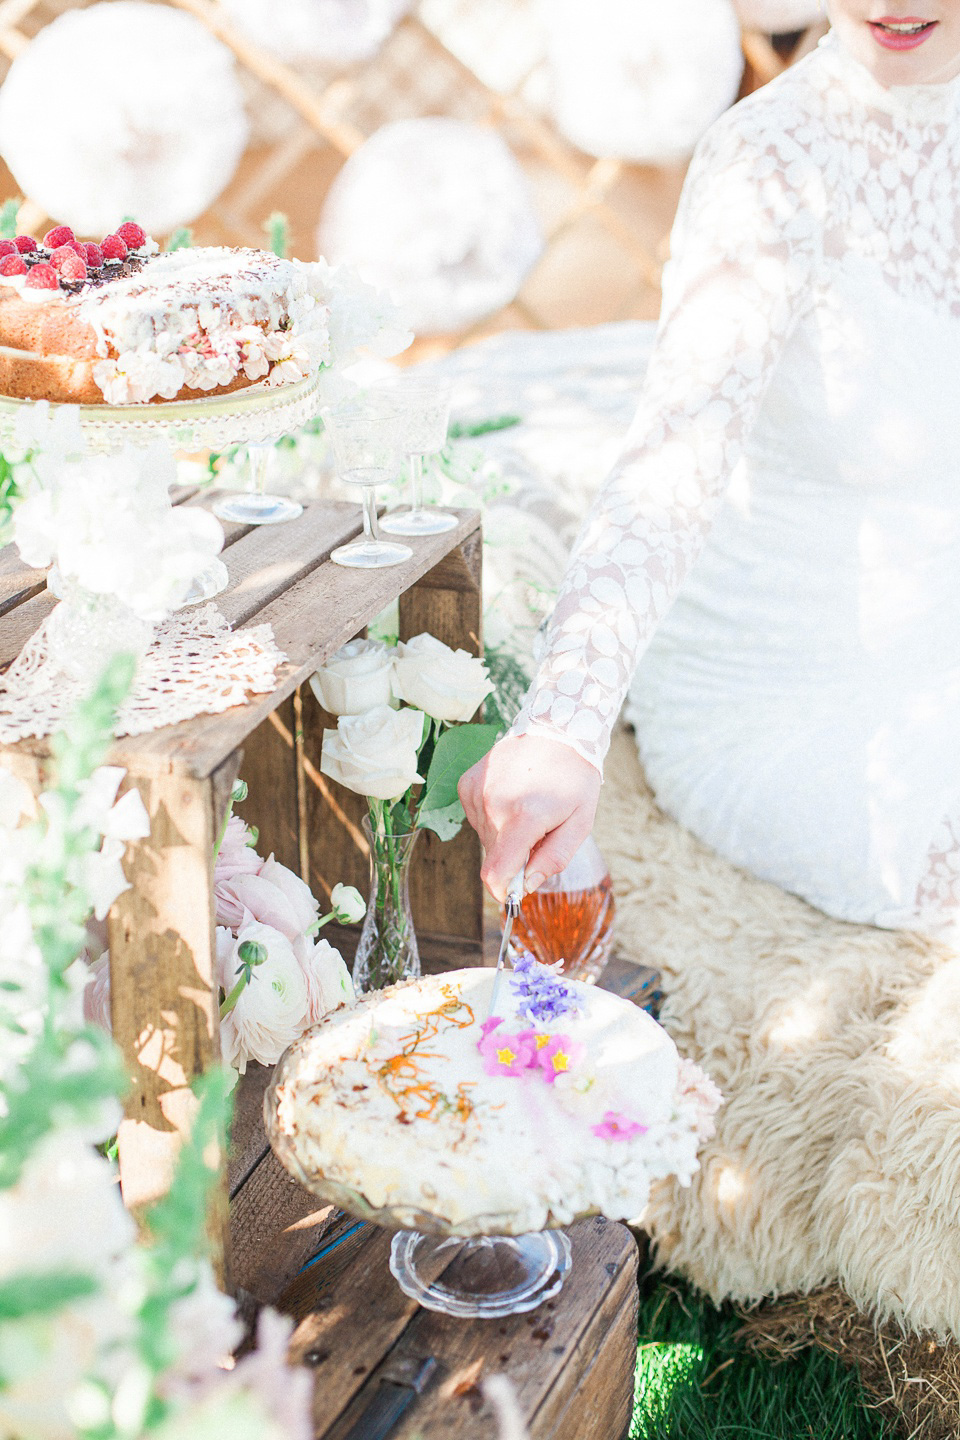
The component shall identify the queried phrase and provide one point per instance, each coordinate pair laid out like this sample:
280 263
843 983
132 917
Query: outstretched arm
745 248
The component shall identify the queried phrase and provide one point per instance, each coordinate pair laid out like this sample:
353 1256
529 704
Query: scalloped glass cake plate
259 414
481 1270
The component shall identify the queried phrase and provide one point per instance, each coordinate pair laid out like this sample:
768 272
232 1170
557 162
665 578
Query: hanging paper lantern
123 109
778 17
334 32
439 213
639 79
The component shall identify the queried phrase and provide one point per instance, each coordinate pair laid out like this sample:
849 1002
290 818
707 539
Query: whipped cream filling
394 1100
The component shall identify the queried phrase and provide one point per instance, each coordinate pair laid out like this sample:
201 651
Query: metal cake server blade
512 903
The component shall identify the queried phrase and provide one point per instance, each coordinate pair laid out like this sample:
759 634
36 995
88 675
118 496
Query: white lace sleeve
745 247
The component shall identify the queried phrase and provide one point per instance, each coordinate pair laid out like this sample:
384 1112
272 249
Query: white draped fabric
779 544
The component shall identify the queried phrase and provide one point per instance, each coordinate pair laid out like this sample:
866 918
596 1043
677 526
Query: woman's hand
529 796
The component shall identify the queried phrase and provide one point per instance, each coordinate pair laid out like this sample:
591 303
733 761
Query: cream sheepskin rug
837 1156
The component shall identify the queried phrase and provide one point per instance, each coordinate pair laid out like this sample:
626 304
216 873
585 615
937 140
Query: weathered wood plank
276 1228
18 581
270 770
248 1141
547 1353
310 622
163 983
337 849
446 892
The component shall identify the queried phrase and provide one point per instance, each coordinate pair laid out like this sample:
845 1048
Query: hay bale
913 1380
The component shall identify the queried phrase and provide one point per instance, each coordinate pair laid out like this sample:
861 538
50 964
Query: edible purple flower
540 993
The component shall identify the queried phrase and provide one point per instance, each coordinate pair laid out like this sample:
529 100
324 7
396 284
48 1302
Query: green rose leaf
456 751
445 823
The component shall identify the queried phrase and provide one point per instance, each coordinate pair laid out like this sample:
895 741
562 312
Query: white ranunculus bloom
272 1010
374 754
447 684
348 904
328 980
356 679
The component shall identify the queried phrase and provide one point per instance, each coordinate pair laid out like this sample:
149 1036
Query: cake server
512 903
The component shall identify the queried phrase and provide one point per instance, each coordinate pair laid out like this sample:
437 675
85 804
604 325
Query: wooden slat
310 622
18 582
361 1321
270 770
446 892
276 1228
248 1142
163 986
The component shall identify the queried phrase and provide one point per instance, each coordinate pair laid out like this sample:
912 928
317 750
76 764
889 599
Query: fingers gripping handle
514 895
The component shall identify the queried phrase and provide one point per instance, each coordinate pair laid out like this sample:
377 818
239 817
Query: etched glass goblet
257 508
367 443
426 411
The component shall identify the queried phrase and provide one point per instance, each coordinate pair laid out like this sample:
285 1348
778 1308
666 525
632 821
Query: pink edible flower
505 1054
618 1127
559 1056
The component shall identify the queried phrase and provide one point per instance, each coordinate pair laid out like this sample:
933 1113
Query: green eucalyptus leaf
445 822
9 211
456 751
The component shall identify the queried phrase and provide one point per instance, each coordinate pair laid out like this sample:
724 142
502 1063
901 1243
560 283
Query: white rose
328 980
374 754
447 684
356 679
272 1009
348 904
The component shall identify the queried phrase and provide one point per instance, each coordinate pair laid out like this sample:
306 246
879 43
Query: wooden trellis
606 221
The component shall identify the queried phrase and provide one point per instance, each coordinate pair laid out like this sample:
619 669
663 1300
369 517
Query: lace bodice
822 180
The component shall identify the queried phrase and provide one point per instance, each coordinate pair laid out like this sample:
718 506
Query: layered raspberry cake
118 323
565 1101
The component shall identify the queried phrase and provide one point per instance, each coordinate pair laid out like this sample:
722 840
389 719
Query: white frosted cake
568 1101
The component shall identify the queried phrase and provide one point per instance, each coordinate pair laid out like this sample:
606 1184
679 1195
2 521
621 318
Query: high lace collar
934 104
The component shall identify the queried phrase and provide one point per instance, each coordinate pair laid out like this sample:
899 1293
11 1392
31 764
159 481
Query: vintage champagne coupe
426 411
367 439
258 508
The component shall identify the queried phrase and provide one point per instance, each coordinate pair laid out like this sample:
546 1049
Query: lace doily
196 665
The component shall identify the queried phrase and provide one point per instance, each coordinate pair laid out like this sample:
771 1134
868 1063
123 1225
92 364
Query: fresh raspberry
78 248
7 247
94 256
132 235
26 244
59 235
42 277
73 269
62 253
113 248
13 265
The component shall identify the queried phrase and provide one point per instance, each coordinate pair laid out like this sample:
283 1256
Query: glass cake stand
256 416
484 1269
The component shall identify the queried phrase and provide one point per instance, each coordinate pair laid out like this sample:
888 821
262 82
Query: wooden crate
161 931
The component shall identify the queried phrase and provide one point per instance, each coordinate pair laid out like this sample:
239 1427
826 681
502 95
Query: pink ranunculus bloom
616 1126
505 1054
297 891
96 996
235 858
262 899
559 1056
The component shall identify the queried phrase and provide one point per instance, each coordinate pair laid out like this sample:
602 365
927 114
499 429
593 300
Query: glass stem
371 530
416 483
258 456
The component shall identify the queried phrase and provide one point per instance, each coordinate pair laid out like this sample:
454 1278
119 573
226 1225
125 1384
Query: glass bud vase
387 952
86 630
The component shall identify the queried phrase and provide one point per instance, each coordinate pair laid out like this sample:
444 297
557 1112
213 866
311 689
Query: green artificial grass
695 1381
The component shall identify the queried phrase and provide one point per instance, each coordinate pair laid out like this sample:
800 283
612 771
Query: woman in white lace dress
779 545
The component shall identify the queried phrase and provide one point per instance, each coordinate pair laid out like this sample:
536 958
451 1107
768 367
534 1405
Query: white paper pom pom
123 109
639 79
439 213
332 32
778 17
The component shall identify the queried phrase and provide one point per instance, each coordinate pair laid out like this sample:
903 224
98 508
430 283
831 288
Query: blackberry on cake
115 321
